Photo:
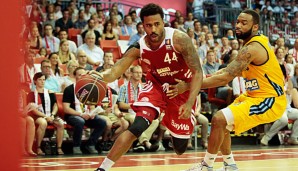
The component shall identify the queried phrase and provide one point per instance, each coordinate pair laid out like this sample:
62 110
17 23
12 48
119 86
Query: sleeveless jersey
164 64
264 80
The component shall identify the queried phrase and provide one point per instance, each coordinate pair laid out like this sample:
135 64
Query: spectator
191 34
93 52
234 44
91 28
292 113
197 29
34 39
285 18
211 66
215 32
189 21
294 21
230 34
136 37
74 14
116 11
58 13
56 71
280 43
82 60
177 15
87 11
70 78
88 6
128 28
294 51
279 8
290 64
108 33
108 56
49 41
45 113
52 83
64 52
65 22
50 20
235 4
27 71
267 5
78 116
115 25
294 79
205 29
81 22
198 10
134 17
72 45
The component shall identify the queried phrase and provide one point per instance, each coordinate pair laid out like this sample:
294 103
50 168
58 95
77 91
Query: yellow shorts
247 112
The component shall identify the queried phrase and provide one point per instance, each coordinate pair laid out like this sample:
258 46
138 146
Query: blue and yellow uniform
264 100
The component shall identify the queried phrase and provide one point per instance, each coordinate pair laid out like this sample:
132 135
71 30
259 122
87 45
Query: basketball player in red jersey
169 54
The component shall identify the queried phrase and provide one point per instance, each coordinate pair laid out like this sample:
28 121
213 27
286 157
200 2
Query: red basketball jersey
164 64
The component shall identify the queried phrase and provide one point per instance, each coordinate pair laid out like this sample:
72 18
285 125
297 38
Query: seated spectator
93 52
191 34
108 56
108 33
45 113
294 51
235 4
78 115
64 52
115 25
27 71
215 31
290 64
50 20
81 22
280 43
65 22
82 60
292 113
34 39
72 45
70 78
91 28
294 78
134 17
56 71
42 53
211 66
49 41
294 21
51 83
189 21
128 28
136 37
279 9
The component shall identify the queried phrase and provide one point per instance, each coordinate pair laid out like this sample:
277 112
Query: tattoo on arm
241 62
188 51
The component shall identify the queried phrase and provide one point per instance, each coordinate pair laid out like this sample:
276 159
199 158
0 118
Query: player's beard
244 35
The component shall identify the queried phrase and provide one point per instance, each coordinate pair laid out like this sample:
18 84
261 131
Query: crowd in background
53 62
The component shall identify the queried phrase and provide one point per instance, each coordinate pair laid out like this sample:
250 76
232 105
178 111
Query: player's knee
179 145
139 125
219 120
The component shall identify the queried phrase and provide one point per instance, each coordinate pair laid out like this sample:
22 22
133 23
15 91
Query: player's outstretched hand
179 88
185 110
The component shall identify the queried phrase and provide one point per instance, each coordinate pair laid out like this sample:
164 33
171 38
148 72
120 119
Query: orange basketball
90 89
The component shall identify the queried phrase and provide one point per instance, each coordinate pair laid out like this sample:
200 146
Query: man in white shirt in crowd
49 41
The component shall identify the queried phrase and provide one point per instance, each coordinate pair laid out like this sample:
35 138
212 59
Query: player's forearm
195 86
215 81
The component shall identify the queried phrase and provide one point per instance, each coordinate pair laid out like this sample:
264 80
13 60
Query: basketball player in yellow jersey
264 100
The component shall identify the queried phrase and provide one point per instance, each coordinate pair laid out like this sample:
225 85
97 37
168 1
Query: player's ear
255 27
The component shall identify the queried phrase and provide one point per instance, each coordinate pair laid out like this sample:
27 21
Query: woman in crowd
64 53
70 78
108 33
56 70
45 113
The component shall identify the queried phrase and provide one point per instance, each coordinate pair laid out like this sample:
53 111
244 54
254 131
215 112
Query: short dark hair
151 9
78 68
37 75
139 23
254 14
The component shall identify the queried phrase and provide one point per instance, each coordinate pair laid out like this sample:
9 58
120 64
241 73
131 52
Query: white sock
229 159
106 164
209 159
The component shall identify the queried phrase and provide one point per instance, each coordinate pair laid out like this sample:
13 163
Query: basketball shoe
201 167
231 167
99 169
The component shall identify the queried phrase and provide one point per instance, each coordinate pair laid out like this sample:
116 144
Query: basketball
90 90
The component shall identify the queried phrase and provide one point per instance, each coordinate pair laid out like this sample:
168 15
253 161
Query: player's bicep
184 45
241 62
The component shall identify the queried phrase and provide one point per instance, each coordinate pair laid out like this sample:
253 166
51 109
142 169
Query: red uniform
164 65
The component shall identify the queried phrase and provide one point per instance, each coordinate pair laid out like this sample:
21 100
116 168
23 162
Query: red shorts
153 97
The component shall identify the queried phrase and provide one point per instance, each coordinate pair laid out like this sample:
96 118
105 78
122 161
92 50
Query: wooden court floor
259 159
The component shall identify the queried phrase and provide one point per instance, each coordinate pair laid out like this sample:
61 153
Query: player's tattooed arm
184 45
241 62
